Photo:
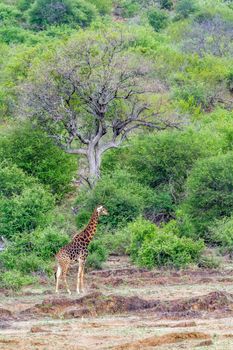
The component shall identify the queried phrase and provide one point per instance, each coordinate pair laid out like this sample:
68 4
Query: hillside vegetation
123 103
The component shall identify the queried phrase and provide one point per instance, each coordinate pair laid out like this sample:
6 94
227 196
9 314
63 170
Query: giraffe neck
90 230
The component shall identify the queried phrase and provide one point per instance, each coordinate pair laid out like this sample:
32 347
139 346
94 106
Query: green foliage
53 12
24 212
97 254
11 34
129 8
47 241
221 233
123 197
139 231
151 246
8 14
35 153
14 279
166 4
209 191
13 180
103 6
31 252
184 8
208 262
162 162
116 243
157 19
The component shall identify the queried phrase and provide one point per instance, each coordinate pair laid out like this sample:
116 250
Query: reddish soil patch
5 314
96 304
162 340
93 304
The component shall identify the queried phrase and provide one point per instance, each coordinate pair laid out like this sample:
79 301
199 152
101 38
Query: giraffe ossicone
76 251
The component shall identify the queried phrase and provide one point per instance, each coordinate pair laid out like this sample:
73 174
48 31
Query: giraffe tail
55 276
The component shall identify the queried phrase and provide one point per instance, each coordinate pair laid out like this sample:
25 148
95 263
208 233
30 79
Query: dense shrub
24 212
34 152
221 233
103 6
97 254
209 191
184 8
209 35
123 197
116 243
8 14
151 246
157 19
140 230
55 12
129 8
163 161
12 34
31 252
13 180
166 4
14 279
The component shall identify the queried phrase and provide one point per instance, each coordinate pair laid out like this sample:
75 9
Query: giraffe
76 251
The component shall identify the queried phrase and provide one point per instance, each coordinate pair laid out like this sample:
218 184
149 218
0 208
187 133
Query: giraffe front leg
80 276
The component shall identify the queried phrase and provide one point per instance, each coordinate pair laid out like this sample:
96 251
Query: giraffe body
76 251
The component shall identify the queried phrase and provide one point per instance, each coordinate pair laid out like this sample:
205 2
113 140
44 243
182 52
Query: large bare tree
91 93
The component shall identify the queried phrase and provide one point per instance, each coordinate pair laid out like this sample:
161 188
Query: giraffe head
101 210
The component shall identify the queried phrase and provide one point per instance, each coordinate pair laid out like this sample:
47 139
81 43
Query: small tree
92 94
209 192
184 8
166 4
54 12
157 19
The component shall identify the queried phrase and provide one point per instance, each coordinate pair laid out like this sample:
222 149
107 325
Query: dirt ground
123 308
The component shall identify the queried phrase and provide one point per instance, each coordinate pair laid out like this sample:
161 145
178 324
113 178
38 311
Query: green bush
170 251
116 243
43 13
12 34
157 19
123 197
139 231
31 252
221 233
184 8
209 262
15 280
129 8
97 254
47 241
34 152
24 212
152 246
13 180
103 6
163 161
9 14
209 192
166 4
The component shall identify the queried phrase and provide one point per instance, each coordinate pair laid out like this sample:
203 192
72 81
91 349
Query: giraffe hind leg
65 268
57 276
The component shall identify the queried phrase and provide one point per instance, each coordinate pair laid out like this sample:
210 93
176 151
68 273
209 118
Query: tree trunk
94 161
